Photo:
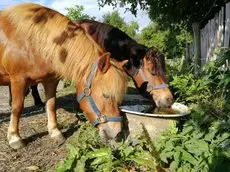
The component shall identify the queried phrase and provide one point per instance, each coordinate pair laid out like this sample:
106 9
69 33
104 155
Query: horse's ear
118 64
104 62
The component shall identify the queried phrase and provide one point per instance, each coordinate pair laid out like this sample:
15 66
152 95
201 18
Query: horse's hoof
59 139
18 144
39 104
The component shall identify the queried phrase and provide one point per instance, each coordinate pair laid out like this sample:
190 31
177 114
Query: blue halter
150 86
87 93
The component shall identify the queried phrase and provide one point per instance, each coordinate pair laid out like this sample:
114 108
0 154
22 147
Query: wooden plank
197 47
216 38
215 34
205 46
221 28
202 43
227 25
208 41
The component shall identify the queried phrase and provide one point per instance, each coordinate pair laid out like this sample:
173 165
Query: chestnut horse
38 44
151 77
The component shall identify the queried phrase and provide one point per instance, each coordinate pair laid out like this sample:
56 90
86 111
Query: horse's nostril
170 100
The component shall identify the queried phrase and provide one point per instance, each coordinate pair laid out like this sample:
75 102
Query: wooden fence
215 34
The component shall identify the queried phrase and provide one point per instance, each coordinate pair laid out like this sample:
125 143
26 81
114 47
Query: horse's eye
153 71
105 96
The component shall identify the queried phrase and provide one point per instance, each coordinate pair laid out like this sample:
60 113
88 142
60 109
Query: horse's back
113 40
17 56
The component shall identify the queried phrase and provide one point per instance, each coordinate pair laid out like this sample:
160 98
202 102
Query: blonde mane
66 46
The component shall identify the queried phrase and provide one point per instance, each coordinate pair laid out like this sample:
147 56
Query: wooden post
221 28
188 54
227 26
197 49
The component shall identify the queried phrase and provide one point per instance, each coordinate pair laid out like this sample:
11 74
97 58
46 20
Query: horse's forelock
158 60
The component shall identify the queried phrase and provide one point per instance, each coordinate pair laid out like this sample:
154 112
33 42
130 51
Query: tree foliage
171 41
151 36
77 13
172 11
116 20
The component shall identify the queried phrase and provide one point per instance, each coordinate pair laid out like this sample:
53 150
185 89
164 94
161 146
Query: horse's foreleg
18 87
50 93
10 96
35 94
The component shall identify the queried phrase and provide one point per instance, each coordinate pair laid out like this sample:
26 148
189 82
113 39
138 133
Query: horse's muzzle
164 102
109 130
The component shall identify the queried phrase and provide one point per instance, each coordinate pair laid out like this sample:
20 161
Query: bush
218 72
212 82
203 145
88 153
187 89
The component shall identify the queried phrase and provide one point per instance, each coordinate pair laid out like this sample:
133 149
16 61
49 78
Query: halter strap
87 93
150 86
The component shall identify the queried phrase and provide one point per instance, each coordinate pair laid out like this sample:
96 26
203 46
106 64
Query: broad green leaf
72 150
224 136
100 152
188 157
187 130
177 156
112 164
198 135
209 137
180 170
80 167
165 155
174 165
65 165
192 148
143 161
99 160
186 167
202 145
128 150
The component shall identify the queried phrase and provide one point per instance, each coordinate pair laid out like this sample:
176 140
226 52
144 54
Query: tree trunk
197 49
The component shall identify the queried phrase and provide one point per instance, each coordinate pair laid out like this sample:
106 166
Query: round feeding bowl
142 110
154 123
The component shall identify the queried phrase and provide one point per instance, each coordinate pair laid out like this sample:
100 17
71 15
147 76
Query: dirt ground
40 154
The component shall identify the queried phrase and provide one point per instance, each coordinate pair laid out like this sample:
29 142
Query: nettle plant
188 89
212 81
218 72
203 143
201 146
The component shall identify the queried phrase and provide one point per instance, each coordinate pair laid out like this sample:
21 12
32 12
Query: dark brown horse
150 79
37 45
34 90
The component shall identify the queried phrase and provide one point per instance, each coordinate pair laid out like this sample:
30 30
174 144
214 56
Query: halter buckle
149 87
87 91
102 119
